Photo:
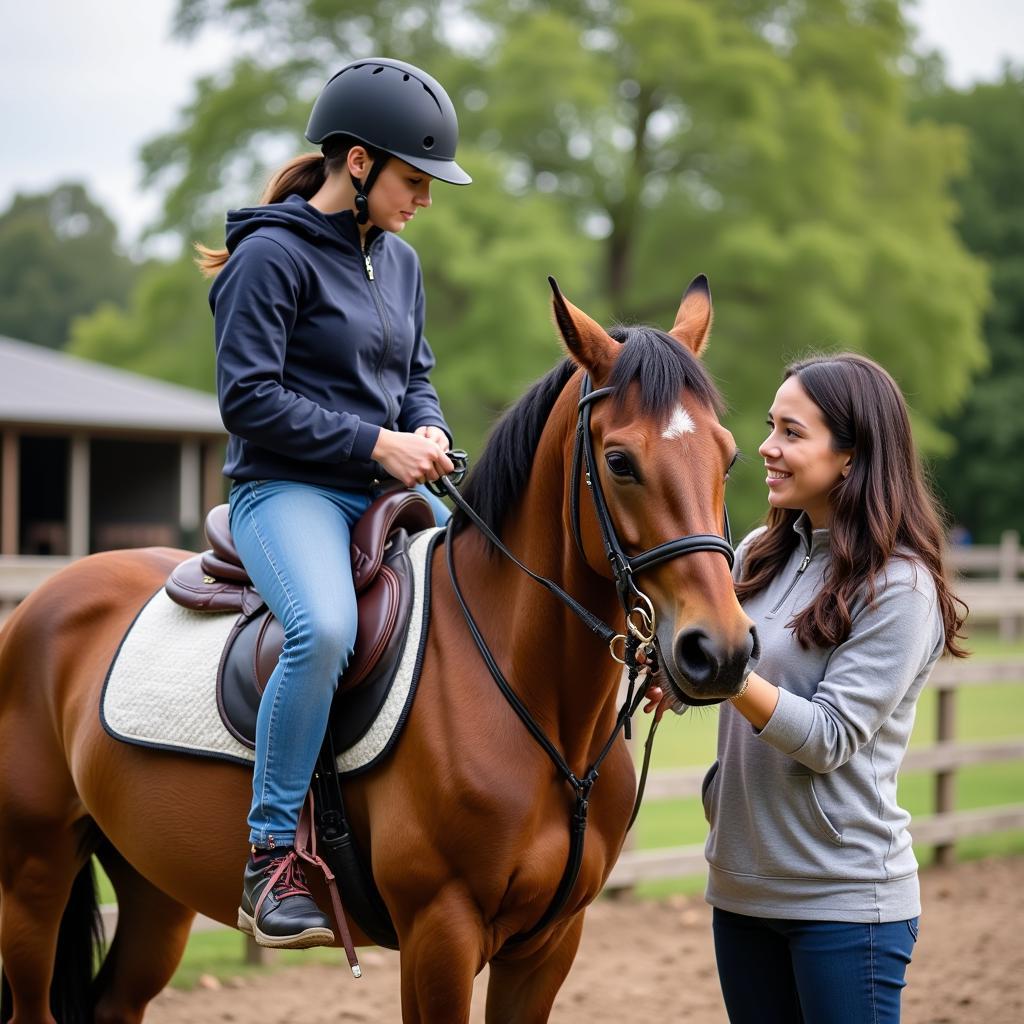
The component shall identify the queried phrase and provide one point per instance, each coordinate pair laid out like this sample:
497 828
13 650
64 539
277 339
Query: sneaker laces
287 877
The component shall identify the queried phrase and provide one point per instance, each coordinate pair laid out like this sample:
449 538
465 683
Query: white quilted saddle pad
161 690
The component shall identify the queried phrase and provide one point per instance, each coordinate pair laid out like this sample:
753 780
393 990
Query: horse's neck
560 669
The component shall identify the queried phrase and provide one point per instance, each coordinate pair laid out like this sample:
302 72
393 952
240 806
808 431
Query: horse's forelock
663 369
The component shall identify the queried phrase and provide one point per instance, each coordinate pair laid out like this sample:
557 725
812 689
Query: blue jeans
775 971
294 539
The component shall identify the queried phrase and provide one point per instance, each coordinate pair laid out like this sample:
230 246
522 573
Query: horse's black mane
658 363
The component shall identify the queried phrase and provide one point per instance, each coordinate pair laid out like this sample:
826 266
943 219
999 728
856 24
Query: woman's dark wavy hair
881 509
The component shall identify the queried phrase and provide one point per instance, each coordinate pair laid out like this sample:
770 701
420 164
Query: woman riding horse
322 375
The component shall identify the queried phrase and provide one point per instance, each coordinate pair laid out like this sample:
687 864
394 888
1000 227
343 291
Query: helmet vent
428 142
377 71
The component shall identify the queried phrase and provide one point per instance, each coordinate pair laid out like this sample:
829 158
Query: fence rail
998 595
999 599
1005 559
942 759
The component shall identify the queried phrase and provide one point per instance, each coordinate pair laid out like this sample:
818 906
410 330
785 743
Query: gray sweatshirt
804 819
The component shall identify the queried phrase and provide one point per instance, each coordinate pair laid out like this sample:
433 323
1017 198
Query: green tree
58 258
981 479
765 143
484 255
166 330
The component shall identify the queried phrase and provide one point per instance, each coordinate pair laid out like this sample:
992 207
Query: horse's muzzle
706 670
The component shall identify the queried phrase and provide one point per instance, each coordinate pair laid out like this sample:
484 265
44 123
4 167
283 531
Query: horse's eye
620 465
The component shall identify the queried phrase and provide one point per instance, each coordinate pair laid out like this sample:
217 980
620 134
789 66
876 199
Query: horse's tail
79 947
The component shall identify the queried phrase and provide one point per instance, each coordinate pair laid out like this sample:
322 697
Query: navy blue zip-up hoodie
317 346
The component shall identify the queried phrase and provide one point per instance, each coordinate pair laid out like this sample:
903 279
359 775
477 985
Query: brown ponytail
302 175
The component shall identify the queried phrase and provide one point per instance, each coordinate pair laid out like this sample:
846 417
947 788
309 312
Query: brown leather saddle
216 581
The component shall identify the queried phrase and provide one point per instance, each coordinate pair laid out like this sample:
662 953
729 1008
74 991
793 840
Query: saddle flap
253 650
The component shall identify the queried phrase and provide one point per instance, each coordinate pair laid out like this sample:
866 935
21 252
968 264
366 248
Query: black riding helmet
394 107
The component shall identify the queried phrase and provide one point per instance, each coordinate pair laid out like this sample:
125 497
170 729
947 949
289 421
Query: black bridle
624 567
640 623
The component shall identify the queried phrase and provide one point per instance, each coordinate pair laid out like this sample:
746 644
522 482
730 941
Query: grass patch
985 644
221 954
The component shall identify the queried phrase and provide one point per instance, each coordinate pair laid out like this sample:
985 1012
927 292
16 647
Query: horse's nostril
695 655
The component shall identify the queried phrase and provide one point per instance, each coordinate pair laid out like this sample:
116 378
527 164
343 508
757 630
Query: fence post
255 954
1009 556
945 779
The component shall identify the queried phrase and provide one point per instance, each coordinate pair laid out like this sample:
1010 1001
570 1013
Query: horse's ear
587 341
693 321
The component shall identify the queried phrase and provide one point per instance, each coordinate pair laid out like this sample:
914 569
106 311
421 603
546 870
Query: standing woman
323 380
812 875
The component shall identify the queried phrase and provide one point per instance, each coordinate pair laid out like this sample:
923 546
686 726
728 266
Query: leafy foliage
486 256
981 479
624 146
58 258
165 331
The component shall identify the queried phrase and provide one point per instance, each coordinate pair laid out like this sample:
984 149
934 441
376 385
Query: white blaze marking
680 424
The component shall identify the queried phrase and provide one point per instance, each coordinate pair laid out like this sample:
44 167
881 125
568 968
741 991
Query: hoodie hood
295 214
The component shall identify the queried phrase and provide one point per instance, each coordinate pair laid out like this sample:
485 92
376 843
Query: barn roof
41 386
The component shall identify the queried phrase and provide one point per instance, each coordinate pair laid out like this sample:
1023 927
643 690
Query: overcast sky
83 85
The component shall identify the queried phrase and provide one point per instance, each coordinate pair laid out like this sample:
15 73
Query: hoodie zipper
385 323
792 586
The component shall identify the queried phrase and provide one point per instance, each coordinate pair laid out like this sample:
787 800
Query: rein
640 634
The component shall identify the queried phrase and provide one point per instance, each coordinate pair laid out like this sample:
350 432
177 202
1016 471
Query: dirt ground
647 961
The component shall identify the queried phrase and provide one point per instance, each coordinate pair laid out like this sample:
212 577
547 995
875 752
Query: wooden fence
943 758
21 574
987 577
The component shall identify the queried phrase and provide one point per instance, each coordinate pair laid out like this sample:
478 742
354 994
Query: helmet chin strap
362 190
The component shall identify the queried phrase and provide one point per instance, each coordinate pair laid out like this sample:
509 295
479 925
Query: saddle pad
161 689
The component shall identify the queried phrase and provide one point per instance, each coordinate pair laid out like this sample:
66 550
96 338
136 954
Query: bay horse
465 824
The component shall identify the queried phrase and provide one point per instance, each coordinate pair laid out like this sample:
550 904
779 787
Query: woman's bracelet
742 690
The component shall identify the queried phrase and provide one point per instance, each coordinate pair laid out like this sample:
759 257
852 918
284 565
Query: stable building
94 458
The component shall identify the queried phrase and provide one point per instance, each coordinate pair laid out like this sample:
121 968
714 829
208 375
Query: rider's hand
435 434
412 458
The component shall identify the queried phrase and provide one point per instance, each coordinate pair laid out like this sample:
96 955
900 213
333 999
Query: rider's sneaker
288 918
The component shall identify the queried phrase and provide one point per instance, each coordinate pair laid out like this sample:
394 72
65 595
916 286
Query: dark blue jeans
775 971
